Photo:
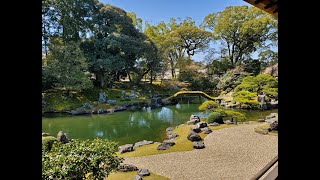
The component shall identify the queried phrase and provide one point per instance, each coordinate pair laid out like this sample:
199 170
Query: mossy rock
47 142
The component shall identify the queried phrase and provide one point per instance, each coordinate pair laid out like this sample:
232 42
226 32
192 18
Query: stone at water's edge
194 117
141 143
192 122
261 120
61 137
44 134
127 167
125 148
143 172
193 136
169 129
198 145
195 129
206 130
137 177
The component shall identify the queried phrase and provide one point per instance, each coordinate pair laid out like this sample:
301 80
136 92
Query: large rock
271 116
195 129
44 134
192 122
137 177
193 136
169 129
79 112
274 126
202 124
198 145
143 172
127 168
166 144
271 120
61 137
125 148
141 143
261 120
228 122
173 135
194 117
206 130
214 124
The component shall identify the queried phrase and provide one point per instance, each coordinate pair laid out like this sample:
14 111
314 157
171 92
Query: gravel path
231 153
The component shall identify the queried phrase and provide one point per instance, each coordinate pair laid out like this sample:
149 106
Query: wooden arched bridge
199 93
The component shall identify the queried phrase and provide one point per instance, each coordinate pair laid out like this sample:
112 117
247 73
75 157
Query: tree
137 22
118 49
67 67
208 105
193 38
261 84
241 30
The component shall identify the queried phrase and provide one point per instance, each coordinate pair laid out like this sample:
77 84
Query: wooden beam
270 4
275 11
257 1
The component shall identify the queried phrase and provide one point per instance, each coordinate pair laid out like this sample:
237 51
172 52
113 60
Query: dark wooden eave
269 6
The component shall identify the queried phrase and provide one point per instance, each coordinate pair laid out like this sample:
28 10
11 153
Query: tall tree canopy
242 30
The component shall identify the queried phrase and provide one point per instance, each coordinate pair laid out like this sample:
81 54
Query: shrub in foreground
78 158
215 117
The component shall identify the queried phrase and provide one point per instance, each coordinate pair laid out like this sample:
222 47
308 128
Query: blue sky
155 11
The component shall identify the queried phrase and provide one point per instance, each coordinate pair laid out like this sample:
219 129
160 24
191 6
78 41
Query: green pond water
128 126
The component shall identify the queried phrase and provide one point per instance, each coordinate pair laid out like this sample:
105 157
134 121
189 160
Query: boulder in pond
125 148
206 130
141 143
143 172
137 177
61 137
127 168
195 129
202 124
193 136
198 145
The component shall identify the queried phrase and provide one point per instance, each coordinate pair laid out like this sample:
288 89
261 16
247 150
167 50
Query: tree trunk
173 72
102 83
151 76
129 78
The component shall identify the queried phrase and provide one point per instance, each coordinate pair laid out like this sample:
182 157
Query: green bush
47 142
208 105
245 97
215 117
232 114
76 159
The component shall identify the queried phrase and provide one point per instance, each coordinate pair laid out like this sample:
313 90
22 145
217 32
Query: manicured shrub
208 105
78 158
232 114
215 117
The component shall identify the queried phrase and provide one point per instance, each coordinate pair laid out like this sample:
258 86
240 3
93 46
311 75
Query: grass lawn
130 175
182 143
263 127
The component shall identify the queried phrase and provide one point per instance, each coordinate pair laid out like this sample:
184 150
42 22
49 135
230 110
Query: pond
128 126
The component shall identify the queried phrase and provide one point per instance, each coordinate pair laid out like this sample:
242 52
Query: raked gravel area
232 153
